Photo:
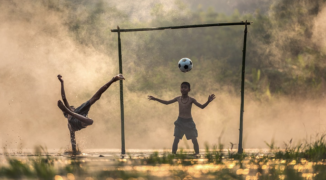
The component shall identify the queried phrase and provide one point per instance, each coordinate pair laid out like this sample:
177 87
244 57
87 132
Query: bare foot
118 77
63 107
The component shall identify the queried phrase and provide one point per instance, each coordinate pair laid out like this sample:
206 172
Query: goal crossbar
181 27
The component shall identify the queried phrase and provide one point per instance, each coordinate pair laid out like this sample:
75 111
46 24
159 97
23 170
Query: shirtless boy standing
185 125
77 117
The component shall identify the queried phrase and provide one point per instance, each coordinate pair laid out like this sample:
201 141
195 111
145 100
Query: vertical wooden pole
240 149
123 150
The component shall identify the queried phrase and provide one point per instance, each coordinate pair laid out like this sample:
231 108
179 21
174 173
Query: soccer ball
185 64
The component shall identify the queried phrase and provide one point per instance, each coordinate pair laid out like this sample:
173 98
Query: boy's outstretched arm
202 106
163 101
63 94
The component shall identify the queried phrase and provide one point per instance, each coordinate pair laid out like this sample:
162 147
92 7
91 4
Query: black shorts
185 127
83 109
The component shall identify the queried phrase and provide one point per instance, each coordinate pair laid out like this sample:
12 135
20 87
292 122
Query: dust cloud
36 46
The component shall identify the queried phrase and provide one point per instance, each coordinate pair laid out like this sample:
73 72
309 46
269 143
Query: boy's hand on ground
60 78
118 77
211 97
151 98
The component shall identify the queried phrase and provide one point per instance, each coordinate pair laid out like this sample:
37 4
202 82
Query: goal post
119 31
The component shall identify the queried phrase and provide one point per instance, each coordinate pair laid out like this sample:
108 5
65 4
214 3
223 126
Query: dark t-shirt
75 123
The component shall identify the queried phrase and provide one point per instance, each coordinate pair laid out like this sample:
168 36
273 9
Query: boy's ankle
118 77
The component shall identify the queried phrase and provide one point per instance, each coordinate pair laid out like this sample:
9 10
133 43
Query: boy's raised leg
83 119
196 146
175 145
98 94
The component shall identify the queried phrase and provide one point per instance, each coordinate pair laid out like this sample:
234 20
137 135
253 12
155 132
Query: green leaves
280 48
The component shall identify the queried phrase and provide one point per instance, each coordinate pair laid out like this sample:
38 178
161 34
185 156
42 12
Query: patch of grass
214 156
75 167
259 161
16 170
41 166
168 158
315 151
278 164
155 158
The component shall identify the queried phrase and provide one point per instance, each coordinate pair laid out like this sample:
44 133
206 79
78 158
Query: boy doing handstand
185 125
77 118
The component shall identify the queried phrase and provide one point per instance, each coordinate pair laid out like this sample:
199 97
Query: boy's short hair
186 83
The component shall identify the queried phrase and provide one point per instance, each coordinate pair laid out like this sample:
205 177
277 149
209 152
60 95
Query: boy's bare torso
185 105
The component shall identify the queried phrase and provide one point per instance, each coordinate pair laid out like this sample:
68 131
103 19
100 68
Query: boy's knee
194 140
94 99
90 122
